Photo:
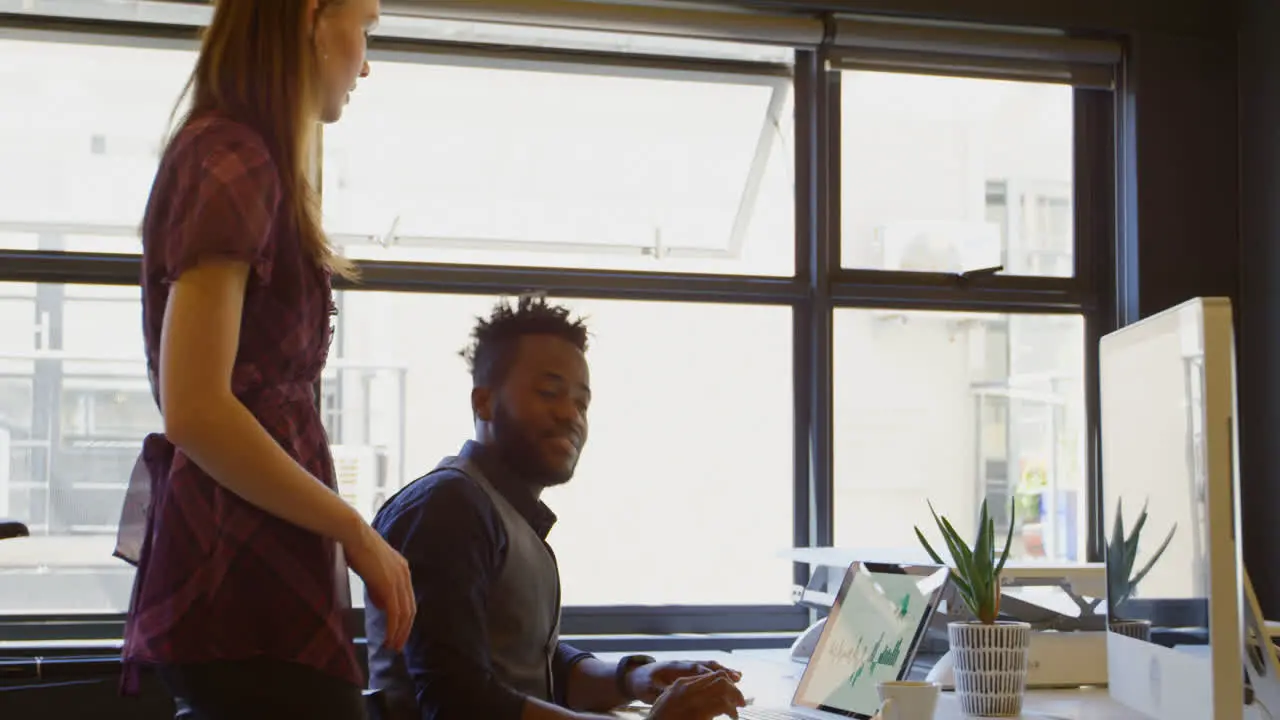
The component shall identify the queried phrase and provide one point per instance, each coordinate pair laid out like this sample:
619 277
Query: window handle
978 272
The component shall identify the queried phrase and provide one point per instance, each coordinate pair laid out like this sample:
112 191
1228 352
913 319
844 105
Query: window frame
818 286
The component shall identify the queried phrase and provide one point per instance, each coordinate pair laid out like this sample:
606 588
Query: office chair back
12 529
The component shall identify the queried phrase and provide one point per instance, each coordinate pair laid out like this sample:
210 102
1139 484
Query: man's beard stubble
522 453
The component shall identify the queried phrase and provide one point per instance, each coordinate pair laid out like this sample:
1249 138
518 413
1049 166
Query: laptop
871 635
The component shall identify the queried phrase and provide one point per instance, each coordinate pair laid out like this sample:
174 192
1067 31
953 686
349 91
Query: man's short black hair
495 338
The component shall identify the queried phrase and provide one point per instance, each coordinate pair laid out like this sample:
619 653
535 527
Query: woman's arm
198 345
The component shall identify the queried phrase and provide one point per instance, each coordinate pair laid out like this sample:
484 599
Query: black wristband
626 665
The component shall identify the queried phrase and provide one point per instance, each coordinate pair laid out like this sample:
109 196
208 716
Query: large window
771 240
678 391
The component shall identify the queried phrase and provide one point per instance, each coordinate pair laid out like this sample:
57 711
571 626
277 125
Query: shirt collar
514 489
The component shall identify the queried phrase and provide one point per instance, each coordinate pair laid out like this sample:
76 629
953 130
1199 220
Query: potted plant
989 655
1122 554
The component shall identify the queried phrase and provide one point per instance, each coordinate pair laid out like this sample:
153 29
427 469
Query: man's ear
482 403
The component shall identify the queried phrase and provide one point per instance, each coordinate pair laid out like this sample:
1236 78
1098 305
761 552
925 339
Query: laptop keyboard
757 713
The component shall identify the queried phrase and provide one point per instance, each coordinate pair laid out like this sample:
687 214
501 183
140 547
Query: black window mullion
1096 246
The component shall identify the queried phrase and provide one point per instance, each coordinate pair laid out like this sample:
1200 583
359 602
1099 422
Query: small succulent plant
975 571
1122 554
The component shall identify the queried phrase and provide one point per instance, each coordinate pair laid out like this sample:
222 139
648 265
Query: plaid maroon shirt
218 578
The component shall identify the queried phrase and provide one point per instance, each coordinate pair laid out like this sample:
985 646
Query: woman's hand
386 575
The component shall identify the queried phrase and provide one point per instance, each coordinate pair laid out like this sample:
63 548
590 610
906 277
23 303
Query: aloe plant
975 571
1122 553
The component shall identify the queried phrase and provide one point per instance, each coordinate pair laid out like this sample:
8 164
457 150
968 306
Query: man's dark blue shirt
450 532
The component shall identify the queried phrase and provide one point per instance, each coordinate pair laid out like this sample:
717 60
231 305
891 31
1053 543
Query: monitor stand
1261 668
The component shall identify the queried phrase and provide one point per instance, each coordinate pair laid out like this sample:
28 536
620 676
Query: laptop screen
875 624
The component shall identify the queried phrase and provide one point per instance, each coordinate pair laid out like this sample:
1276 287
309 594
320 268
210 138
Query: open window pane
952 408
947 174
81 128
74 408
584 168
684 491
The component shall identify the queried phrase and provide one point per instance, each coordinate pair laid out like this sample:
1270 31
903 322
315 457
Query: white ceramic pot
990 664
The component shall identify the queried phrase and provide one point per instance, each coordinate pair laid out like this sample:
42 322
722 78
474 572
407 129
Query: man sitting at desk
485 642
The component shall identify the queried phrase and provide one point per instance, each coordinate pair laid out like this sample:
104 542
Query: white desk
769 678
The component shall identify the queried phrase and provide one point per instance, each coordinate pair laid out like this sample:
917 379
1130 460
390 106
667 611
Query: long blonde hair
257 66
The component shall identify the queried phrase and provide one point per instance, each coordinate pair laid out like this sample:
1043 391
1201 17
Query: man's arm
446 531
563 665
593 685
449 535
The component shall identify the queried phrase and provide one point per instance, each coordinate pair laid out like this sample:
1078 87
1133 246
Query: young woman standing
241 587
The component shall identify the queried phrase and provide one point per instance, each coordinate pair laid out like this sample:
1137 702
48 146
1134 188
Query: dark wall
1184 90
1259 80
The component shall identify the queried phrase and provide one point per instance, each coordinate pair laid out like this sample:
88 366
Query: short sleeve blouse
218 578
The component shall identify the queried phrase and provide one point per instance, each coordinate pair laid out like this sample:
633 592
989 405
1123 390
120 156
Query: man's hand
699 697
647 682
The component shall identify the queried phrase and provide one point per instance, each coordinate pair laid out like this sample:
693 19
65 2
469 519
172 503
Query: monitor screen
1152 385
871 634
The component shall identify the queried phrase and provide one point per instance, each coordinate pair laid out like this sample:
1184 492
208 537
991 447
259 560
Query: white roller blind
728 25
1004 54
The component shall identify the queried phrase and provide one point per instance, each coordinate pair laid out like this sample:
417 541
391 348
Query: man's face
540 411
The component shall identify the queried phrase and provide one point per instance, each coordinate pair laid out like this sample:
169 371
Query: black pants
261 689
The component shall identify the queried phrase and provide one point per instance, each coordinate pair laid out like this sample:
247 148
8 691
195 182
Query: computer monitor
1167 388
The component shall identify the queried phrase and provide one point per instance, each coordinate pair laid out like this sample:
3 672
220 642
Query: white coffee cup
907 700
